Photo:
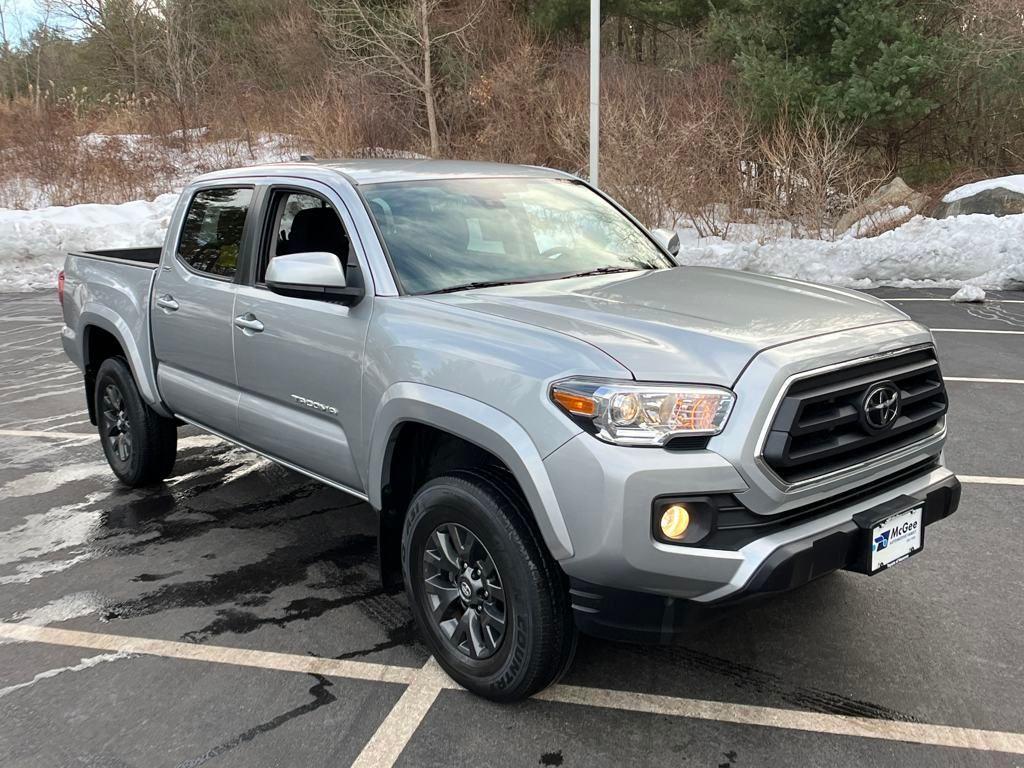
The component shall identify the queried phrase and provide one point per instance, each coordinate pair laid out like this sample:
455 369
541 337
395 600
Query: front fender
482 425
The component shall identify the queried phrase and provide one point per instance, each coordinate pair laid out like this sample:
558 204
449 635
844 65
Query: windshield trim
556 176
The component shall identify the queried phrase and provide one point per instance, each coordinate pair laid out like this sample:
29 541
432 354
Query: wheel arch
408 406
103 334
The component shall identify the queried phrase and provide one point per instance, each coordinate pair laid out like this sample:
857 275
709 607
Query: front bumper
637 616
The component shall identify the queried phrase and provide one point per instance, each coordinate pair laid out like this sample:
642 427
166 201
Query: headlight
644 414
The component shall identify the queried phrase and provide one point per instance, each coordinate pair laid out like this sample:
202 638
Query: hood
687 324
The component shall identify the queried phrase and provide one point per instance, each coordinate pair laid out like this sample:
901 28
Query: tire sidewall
115 371
442 501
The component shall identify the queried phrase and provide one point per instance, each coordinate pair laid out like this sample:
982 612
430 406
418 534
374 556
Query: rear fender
140 360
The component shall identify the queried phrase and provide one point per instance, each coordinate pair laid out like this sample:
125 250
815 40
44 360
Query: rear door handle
248 322
167 302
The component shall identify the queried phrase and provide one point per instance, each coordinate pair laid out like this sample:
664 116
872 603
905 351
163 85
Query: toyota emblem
881 406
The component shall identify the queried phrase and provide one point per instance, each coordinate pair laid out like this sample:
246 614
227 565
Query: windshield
446 234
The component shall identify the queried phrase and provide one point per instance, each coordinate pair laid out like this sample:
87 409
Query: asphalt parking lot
234 617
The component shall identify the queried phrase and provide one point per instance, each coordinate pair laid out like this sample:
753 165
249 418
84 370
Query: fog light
674 522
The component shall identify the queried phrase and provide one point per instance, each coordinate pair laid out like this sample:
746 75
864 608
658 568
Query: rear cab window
211 235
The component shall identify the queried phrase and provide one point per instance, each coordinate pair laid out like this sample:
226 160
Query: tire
504 556
140 444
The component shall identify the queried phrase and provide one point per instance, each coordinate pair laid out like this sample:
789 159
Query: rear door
192 306
299 361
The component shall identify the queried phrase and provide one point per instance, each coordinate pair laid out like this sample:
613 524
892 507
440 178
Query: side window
303 222
211 237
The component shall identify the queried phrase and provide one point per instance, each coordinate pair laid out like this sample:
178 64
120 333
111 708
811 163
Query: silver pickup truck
559 428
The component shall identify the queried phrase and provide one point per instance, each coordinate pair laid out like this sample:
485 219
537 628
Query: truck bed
140 257
110 289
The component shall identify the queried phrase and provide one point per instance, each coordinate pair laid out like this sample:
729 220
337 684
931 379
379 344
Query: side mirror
312 275
668 239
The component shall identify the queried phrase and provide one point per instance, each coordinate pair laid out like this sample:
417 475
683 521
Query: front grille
820 428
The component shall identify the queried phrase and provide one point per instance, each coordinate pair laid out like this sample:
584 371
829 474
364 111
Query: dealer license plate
895 538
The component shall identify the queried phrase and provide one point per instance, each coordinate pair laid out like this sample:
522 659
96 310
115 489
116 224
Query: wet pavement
235 551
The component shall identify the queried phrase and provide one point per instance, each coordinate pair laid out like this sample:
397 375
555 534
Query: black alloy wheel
139 443
465 591
490 602
116 423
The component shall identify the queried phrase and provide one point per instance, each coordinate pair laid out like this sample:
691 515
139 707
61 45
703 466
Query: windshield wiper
601 271
537 279
477 284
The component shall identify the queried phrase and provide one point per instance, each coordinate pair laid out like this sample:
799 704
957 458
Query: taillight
60 287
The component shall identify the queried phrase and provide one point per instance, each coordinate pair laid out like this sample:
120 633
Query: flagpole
595 86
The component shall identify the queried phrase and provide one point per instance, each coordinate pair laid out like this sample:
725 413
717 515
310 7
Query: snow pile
986 251
968 294
1012 183
33 243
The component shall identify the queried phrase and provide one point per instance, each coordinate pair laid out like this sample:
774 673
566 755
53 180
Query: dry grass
56 157
674 146
46 160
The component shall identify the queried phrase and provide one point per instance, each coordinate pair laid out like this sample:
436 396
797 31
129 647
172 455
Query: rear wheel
140 444
489 600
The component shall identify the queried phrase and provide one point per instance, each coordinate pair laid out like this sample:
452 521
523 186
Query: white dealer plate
895 538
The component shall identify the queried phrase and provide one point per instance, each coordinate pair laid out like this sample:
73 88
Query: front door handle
248 322
167 302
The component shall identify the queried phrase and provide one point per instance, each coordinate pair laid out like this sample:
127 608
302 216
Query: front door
298 361
193 301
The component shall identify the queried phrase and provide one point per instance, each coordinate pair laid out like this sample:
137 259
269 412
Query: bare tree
125 26
810 172
182 70
8 52
394 42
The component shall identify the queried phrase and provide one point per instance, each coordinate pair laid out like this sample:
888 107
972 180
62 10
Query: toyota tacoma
559 427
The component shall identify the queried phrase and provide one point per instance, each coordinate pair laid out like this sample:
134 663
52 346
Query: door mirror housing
668 239
313 275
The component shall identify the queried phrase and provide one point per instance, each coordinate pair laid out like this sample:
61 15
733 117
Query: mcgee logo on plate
894 534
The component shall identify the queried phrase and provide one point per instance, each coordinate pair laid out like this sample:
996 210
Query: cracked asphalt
236 551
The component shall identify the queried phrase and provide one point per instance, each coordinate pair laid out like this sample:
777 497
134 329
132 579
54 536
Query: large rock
888 196
997 197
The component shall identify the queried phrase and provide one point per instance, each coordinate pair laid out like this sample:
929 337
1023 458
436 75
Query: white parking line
202 440
216 654
773 717
939 298
41 433
982 381
405 717
426 683
975 330
986 480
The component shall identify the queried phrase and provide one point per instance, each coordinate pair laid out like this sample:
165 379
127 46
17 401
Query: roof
380 171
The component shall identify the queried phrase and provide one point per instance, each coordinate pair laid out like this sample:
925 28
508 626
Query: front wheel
140 444
488 598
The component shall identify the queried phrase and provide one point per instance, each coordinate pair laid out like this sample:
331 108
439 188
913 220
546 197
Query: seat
316 229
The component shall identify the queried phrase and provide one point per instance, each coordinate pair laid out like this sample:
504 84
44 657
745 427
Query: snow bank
33 243
1012 183
986 251
979 250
